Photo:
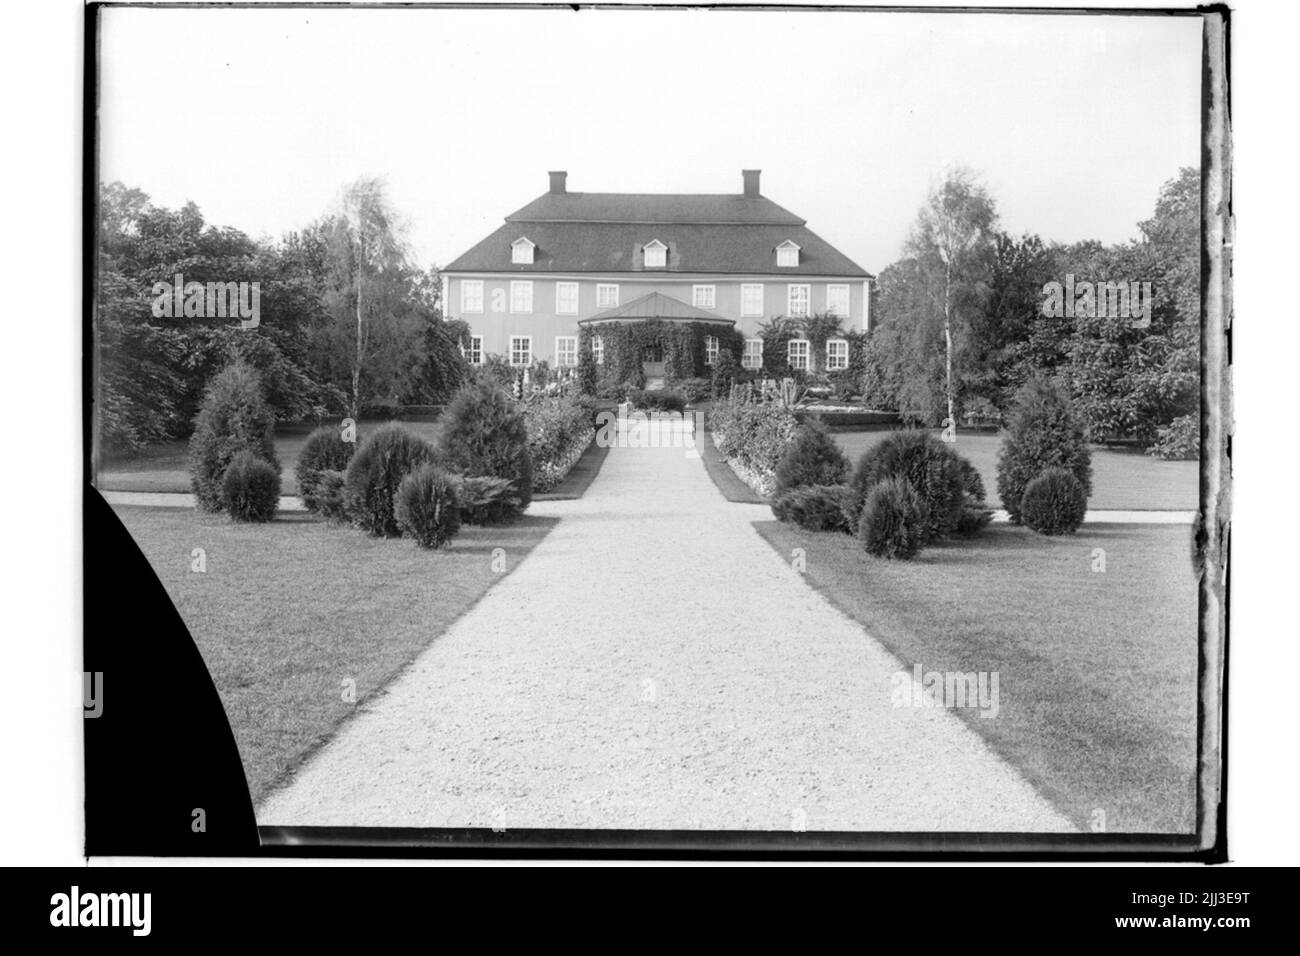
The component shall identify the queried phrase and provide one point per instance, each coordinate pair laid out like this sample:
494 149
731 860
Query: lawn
164 467
1097 671
1122 479
286 612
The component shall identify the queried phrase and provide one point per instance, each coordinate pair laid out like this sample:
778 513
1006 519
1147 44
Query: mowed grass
1097 671
1122 479
165 467
287 611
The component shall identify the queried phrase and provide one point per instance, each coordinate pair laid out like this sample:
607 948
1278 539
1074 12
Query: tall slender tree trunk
947 335
356 362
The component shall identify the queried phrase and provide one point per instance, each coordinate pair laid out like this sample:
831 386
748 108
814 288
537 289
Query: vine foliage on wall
627 344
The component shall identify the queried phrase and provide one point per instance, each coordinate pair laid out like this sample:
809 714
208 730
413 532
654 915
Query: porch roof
656 305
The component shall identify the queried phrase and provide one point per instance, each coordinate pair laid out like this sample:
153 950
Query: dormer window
521 251
656 254
787 255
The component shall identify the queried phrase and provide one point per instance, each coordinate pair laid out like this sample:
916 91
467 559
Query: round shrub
485 435
1054 503
917 457
814 507
330 495
1042 432
233 417
893 521
374 473
250 488
324 450
812 458
426 507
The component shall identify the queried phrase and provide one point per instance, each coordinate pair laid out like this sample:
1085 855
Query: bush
692 390
659 401
330 496
813 507
894 520
481 498
559 431
723 373
1042 432
425 506
375 472
1180 440
325 450
975 514
250 488
753 435
233 417
929 466
812 458
1054 503
486 435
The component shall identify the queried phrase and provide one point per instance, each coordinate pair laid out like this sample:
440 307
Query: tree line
959 324
346 316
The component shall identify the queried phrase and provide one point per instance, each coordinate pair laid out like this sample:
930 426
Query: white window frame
474 354
843 289
707 293
661 254
520 285
838 354
607 287
789 300
521 251
566 285
754 312
752 357
465 286
521 338
598 349
786 251
573 354
711 348
806 354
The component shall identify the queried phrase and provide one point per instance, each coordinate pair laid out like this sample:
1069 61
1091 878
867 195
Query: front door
653 365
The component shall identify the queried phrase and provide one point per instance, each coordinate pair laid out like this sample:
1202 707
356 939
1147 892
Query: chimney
751 181
557 181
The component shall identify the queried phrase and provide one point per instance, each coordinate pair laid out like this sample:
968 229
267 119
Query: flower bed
559 431
752 437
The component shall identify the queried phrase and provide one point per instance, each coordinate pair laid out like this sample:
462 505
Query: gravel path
652 664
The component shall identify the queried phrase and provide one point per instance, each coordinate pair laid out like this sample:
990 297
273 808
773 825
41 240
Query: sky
262 116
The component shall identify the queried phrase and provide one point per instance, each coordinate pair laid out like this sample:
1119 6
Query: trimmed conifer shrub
812 458
923 461
250 489
375 471
894 520
425 506
330 495
975 514
485 435
1054 503
1042 432
233 417
325 450
481 497
813 507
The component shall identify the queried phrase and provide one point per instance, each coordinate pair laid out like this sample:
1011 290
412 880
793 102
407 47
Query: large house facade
568 260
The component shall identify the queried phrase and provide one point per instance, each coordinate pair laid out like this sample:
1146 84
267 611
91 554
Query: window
710 348
521 296
566 350
797 306
471 295
656 254
837 301
837 354
474 354
606 295
566 298
751 299
704 296
521 350
598 348
521 252
799 354
787 255
753 357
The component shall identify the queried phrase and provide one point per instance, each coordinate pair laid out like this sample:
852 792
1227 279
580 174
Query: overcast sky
261 116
